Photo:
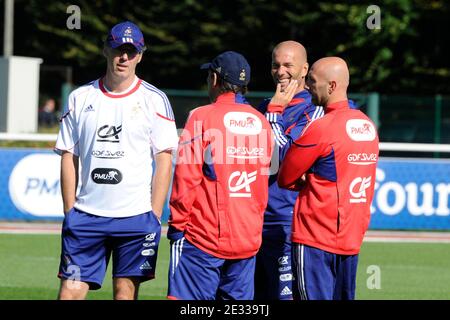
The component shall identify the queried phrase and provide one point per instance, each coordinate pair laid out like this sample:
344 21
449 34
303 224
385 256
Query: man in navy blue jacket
288 112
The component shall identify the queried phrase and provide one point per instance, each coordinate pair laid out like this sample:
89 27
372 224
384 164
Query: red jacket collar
227 97
337 105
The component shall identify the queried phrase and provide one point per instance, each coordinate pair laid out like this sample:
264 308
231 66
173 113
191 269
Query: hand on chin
284 83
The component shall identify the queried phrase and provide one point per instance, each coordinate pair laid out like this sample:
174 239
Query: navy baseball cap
126 33
231 66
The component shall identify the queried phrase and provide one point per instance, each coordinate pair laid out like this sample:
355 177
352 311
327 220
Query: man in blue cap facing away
219 190
116 127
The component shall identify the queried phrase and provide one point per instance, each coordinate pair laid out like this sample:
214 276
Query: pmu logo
242 123
360 130
358 189
109 133
243 181
248 122
106 176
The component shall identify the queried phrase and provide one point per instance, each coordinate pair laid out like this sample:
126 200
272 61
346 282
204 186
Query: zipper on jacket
338 221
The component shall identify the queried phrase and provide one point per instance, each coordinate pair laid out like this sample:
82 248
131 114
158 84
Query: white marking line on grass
407 236
406 240
38 228
371 235
30 228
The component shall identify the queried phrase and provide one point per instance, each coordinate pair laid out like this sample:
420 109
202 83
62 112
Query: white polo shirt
116 137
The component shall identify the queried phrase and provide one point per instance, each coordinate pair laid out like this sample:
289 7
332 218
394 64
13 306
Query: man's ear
305 70
213 79
331 86
140 57
104 51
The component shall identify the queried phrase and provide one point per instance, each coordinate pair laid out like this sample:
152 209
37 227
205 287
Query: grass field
29 263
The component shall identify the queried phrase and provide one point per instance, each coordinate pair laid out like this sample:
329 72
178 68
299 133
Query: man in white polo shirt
113 129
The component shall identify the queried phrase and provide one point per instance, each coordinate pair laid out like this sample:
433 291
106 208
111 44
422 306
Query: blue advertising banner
29 185
410 194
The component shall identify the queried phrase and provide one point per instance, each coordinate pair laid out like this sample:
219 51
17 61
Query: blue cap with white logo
231 66
126 33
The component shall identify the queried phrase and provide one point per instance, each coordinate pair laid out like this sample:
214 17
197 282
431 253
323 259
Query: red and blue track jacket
287 127
220 181
339 154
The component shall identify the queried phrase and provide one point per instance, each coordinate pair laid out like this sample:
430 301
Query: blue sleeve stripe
279 136
272 117
318 113
316 110
276 128
167 106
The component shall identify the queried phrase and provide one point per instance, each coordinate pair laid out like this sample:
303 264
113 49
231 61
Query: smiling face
122 61
289 63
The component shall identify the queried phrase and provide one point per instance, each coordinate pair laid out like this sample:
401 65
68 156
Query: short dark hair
225 86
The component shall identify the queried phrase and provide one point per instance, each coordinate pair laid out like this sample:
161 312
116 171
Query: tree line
406 55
